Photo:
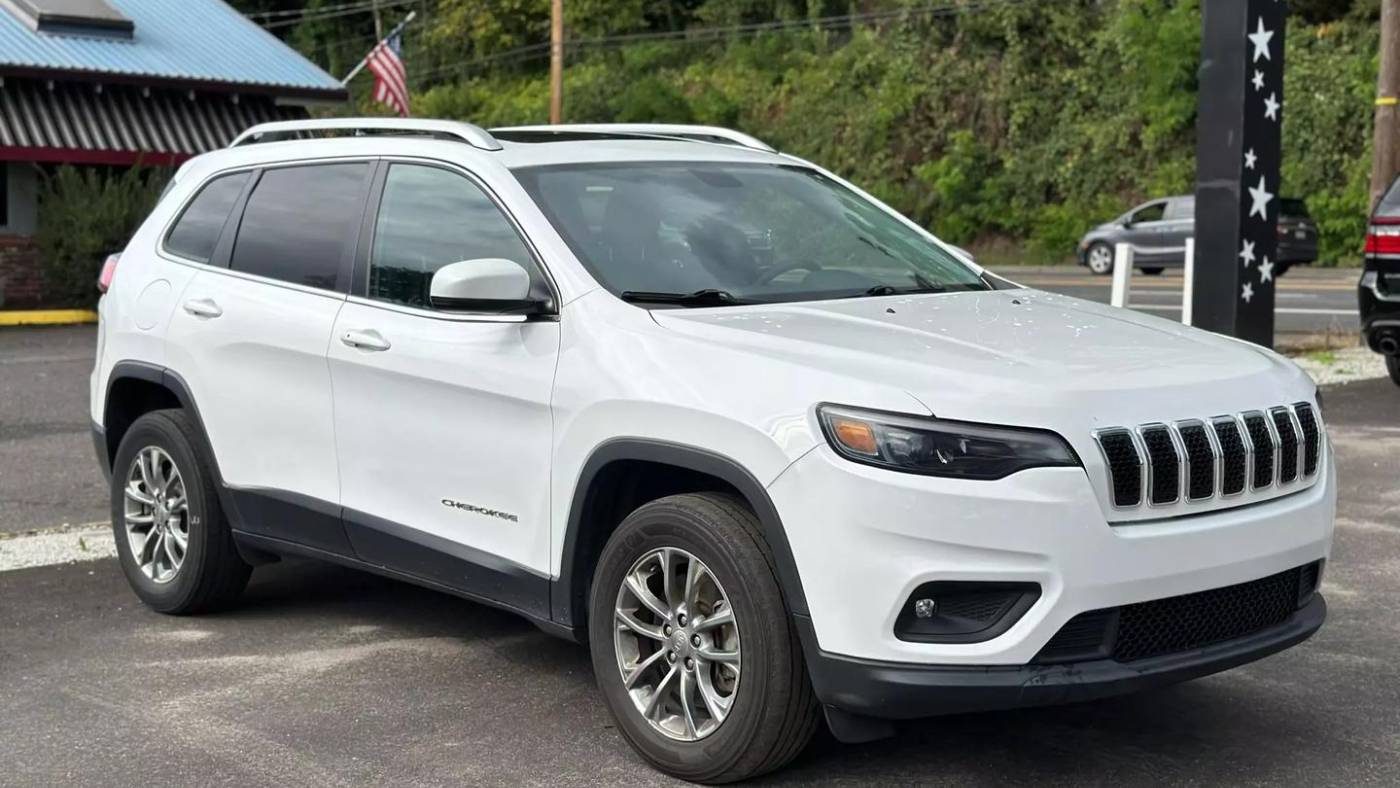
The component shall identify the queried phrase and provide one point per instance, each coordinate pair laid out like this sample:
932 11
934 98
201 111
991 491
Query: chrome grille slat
1199 460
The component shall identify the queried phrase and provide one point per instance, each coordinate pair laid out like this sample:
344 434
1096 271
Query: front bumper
887 690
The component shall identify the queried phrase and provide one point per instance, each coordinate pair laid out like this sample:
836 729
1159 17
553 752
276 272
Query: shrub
84 215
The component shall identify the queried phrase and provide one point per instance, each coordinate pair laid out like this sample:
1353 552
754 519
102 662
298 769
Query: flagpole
397 29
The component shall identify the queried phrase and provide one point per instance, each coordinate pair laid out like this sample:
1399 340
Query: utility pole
378 23
556 61
1386 159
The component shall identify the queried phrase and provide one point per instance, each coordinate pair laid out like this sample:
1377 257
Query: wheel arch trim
568 600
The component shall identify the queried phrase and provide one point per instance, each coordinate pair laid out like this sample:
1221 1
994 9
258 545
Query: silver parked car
1158 231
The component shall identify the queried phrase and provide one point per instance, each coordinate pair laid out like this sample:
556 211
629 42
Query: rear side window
300 222
197 230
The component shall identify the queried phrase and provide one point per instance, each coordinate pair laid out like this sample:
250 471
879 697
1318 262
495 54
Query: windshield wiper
707 297
885 290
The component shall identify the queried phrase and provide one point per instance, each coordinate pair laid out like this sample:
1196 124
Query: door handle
203 307
366 339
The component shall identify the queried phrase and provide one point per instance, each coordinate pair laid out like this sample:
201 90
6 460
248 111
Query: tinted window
299 223
1293 208
197 231
1150 213
430 217
1181 209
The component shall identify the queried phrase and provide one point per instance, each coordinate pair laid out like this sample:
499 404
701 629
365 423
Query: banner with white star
1238 158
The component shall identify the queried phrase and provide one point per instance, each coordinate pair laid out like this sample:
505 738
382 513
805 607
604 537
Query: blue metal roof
182 40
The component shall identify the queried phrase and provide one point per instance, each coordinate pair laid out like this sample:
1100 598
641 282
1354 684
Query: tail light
109 270
1383 236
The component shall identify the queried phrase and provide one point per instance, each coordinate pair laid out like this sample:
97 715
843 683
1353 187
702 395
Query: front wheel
692 645
1100 259
1392 365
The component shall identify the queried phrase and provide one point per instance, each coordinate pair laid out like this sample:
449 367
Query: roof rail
474 136
676 130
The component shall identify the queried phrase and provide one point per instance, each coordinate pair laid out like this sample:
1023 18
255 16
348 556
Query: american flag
390 77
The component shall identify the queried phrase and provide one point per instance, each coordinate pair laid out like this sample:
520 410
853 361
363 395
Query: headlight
935 447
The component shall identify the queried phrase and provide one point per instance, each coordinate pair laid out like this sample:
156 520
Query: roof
184 42
122 124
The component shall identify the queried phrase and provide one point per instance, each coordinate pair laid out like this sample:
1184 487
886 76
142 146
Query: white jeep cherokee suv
772 450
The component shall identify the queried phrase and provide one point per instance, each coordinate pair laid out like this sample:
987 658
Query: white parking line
62 545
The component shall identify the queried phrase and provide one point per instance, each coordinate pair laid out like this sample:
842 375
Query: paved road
48 473
330 677
1308 300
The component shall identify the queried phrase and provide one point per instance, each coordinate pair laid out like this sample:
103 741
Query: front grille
1262 449
1156 464
1287 444
1311 445
1182 623
1164 462
1234 457
1124 466
1200 459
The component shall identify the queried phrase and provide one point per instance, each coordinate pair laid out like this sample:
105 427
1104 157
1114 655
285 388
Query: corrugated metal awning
120 124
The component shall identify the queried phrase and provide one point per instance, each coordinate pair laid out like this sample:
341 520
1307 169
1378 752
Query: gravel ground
1342 366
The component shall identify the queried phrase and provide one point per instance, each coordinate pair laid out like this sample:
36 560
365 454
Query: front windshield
756 232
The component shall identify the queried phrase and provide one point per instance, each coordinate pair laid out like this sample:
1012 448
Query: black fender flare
569 607
172 382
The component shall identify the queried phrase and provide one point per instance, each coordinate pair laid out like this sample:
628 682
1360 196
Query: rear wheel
1153 270
1392 365
692 645
1100 259
173 540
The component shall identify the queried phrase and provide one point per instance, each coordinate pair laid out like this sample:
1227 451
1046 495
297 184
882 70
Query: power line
299 11
707 34
343 11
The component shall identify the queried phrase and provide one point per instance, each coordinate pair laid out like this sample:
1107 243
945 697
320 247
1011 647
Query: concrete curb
47 317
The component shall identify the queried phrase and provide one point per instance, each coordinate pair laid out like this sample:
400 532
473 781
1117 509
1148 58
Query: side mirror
486 284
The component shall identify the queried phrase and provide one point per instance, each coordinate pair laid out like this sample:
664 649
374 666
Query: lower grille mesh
1181 623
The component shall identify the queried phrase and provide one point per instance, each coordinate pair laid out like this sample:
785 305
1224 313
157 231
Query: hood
1015 352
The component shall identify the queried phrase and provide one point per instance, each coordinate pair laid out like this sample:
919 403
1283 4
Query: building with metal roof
121 82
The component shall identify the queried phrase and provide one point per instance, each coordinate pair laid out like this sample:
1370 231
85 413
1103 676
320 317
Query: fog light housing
962 611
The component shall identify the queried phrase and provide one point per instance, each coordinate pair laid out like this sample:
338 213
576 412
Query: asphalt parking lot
329 677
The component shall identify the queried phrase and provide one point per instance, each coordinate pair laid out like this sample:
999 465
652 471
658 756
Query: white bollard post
1122 272
1189 284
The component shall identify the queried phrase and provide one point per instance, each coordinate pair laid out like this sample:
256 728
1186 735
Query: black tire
774 712
1094 257
1281 268
212 573
1153 270
1392 365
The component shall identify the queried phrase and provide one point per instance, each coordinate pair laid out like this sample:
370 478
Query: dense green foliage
1007 124
85 214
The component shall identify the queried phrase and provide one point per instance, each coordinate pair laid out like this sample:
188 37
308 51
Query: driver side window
1152 212
430 217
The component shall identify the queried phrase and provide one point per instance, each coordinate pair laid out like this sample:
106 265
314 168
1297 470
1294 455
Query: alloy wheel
157 514
1100 259
677 644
